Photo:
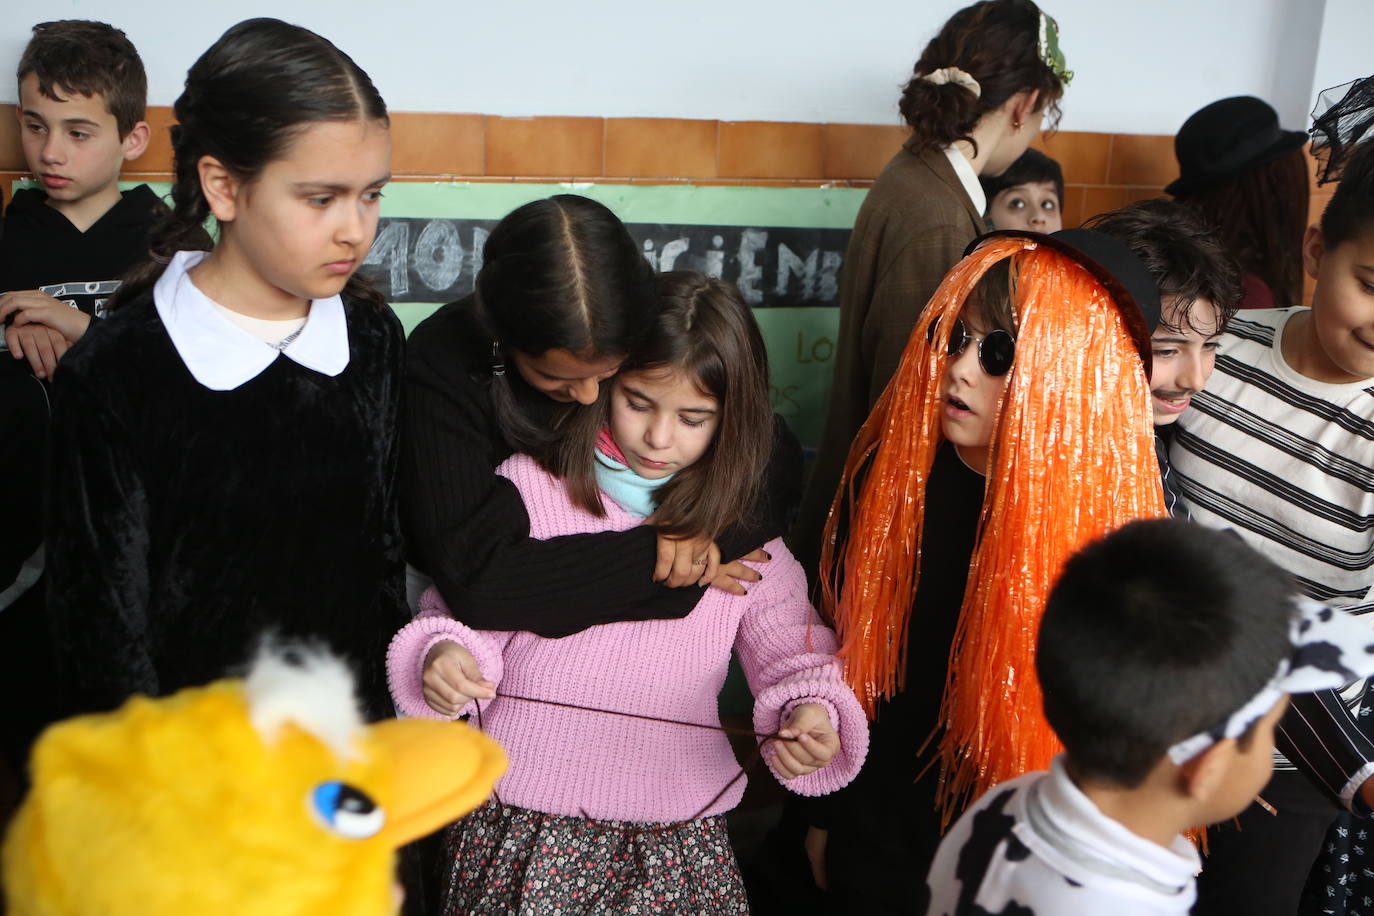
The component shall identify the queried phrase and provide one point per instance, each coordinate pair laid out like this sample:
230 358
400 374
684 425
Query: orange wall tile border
1101 171
436 145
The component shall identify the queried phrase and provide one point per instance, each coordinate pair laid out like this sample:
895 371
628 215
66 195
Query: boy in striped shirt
1280 448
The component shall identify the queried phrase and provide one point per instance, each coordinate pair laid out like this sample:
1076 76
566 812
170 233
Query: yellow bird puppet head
262 796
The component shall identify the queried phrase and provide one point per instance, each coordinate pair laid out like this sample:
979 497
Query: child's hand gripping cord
809 742
452 679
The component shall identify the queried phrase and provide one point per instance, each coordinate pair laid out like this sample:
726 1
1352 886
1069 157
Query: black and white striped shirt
1288 463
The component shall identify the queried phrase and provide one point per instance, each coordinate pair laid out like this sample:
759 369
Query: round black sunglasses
996 349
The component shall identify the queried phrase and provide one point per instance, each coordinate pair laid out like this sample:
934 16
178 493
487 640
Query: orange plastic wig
1072 457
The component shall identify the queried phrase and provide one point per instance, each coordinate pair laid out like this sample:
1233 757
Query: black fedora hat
1228 138
1115 266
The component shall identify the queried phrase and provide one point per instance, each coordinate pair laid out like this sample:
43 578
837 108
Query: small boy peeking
1167 653
1029 195
82 96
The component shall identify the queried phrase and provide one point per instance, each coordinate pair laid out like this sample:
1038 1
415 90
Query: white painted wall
1343 57
1142 67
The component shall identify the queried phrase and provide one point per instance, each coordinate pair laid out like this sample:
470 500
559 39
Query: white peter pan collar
1067 829
221 355
967 177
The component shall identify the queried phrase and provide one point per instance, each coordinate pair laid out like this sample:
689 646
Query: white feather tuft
309 686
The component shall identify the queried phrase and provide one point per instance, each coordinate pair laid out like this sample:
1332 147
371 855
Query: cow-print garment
1037 846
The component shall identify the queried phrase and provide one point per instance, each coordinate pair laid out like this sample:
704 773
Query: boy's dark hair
1032 167
81 57
997 43
245 101
560 273
1350 212
1157 632
1181 251
706 331
1260 216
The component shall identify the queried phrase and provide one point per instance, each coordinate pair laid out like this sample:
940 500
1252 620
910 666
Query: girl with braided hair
226 443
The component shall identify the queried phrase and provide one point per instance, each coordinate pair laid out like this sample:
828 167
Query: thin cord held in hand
754 757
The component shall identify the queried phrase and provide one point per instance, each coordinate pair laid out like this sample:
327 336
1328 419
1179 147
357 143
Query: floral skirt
506 861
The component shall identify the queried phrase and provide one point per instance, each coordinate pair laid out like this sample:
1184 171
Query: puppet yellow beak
441 771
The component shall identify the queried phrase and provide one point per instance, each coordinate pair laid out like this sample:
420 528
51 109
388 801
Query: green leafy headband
1048 46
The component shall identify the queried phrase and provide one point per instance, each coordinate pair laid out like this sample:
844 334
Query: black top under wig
246 99
560 273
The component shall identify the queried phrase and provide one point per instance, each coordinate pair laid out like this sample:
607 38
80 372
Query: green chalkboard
783 247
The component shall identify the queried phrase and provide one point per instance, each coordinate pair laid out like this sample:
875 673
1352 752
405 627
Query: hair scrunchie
956 76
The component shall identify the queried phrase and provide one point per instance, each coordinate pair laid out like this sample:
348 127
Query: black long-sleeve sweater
467 528
184 522
884 828
41 247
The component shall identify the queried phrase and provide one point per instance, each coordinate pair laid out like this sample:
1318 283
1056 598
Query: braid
182 228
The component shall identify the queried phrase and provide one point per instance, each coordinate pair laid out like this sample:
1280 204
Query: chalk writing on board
435 260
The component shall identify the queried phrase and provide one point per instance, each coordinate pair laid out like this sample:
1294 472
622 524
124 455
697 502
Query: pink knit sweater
567 761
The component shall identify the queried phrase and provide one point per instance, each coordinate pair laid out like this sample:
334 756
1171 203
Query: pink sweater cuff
817 682
405 657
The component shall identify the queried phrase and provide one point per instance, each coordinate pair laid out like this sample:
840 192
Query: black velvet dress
185 522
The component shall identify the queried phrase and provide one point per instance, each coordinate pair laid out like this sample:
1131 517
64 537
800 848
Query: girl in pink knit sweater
603 812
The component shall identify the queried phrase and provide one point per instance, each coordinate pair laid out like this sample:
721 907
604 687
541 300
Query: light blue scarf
631 492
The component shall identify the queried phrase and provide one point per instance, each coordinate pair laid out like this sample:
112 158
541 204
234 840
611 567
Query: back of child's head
1182 252
246 100
77 56
1155 633
561 273
1033 167
997 42
708 335
1350 212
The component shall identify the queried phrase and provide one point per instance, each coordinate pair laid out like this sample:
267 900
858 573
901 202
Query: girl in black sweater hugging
563 297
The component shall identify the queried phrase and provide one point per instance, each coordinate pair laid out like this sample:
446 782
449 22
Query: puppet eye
347 811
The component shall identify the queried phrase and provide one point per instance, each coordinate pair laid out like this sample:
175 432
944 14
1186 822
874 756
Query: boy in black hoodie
82 95
82 92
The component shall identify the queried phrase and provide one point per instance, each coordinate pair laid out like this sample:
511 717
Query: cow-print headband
1330 650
